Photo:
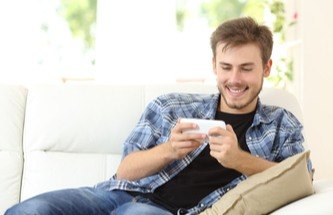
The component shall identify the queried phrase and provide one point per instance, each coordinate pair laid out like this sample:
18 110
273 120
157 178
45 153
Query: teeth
236 90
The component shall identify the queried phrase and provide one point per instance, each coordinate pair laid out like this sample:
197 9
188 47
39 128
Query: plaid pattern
275 134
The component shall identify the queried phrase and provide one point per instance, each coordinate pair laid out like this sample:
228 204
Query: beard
238 106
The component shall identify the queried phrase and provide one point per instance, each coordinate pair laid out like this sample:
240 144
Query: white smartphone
204 124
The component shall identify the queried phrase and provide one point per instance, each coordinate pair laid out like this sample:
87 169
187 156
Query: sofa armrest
318 203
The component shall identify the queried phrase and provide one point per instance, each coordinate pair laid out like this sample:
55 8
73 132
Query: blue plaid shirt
274 135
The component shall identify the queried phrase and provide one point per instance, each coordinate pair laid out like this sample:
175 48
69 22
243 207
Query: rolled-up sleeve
147 131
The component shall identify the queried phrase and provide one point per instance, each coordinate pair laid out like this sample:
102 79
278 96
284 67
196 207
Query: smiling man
165 170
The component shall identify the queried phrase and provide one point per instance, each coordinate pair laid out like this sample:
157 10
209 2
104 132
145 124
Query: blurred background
167 41
130 41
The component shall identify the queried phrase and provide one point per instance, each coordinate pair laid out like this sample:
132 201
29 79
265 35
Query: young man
165 170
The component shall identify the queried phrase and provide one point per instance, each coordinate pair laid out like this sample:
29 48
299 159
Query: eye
247 69
226 68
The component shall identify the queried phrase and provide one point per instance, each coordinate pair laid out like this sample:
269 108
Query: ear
267 68
214 65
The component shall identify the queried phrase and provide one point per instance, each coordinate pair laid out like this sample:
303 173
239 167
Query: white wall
317 82
133 41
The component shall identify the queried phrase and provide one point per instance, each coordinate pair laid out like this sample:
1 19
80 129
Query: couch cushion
73 134
266 191
50 170
318 203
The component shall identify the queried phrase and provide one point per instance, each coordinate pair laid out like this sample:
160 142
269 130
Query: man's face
239 73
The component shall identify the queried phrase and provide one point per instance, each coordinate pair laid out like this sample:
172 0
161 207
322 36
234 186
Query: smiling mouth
236 91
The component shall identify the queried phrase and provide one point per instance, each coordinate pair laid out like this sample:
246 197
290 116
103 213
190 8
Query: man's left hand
224 146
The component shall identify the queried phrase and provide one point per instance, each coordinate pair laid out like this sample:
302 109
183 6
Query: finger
216 139
194 136
181 149
222 131
188 125
229 128
184 126
215 148
185 145
216 131
193 144
187 137
215 155
231 131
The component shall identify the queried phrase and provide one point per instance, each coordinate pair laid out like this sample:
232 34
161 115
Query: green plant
81 18
285 65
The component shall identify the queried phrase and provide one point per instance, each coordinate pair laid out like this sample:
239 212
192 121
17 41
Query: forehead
245 52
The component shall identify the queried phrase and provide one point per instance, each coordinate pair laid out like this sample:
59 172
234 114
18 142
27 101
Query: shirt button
250 138
201 205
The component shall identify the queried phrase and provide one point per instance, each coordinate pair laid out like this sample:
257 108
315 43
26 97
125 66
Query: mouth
236 91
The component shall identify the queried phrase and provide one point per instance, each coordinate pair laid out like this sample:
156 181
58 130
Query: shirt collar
261 115
209 109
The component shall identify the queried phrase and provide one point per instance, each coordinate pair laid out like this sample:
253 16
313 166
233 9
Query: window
131 41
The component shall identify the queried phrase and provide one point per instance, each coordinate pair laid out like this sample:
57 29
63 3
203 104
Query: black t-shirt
204 174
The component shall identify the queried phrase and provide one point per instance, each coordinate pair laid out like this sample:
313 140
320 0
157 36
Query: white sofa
60 136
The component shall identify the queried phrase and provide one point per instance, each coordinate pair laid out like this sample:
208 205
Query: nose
235 76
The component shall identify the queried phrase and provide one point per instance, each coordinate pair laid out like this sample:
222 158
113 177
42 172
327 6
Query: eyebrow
228 64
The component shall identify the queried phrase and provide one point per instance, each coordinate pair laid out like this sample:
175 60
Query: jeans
84 201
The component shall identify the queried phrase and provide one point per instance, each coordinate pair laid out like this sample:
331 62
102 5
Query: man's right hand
182 143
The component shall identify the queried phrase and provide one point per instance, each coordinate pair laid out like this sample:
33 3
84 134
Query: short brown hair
242 31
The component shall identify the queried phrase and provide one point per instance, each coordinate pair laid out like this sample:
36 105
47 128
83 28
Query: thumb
229 128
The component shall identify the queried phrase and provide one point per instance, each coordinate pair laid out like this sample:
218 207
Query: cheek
255 81
223 76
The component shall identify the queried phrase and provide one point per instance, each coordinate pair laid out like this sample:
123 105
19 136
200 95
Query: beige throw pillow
265 192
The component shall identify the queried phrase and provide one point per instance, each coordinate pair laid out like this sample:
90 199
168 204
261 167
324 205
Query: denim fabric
86 201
